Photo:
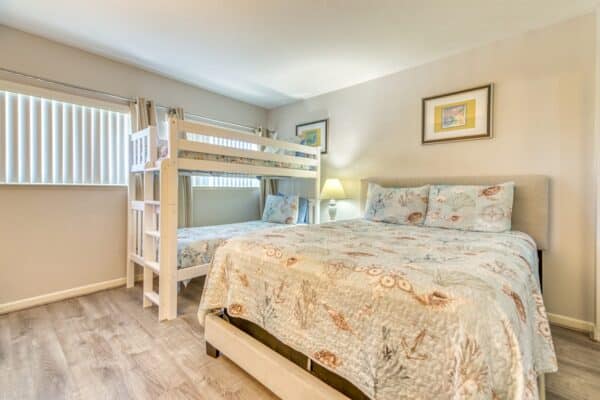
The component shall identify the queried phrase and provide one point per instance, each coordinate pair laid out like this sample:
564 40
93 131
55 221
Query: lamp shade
333 189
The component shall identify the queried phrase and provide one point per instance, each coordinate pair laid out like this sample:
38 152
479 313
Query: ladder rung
153 265
151 169
137 259
152 202
137 205
154 234
153 297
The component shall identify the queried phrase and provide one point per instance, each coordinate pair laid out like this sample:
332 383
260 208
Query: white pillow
281 209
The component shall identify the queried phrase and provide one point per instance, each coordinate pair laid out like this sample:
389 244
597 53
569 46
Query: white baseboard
571 323
61 295
596 333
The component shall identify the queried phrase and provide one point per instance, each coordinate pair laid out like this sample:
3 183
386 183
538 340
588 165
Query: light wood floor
105 346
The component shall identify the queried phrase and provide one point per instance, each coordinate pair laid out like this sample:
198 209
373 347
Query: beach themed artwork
459 115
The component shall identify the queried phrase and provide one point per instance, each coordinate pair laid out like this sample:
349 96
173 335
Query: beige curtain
143 114
184 195
267 185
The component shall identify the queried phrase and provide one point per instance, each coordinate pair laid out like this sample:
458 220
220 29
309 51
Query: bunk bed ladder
151 239
160 228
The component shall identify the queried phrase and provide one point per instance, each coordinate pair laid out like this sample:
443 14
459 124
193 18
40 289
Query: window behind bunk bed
49 137
224 181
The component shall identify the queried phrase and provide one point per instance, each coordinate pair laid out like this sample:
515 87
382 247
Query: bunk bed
152 215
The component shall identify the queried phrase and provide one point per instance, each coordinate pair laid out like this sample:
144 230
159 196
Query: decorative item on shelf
314 134
462 115
260 131
332 191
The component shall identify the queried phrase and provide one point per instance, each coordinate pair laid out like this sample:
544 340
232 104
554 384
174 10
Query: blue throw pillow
303 211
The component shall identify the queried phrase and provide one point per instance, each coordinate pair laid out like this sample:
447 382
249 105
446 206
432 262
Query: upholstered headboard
530 206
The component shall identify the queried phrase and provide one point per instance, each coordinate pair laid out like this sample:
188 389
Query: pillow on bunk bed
281 209
278 150
302 209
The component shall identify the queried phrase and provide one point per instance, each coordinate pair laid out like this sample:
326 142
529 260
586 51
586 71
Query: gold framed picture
314 134
462 115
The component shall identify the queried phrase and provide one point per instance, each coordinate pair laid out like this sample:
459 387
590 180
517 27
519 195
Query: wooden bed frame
152 222
259 354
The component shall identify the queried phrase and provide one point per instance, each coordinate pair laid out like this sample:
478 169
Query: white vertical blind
50 141
224 181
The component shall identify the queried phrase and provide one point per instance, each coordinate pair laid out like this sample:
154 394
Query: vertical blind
55 142
224 181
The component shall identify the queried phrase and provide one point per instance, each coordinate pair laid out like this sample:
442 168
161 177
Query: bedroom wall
543 122
56 238
224 206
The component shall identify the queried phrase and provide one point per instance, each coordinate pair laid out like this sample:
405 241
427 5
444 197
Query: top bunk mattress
399 311
197 245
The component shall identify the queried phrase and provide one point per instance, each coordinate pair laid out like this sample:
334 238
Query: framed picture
462 115
314 134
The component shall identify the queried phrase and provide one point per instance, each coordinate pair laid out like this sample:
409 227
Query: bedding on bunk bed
162 149
399 311
197 245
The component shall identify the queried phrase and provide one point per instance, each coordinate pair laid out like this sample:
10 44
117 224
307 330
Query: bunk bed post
318 189
148 242
168 227
130 266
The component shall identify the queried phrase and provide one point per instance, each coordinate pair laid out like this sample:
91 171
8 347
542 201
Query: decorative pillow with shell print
281 209
403 206
471 208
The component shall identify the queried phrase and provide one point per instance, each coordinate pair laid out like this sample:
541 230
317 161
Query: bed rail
143 148
275 158
297 160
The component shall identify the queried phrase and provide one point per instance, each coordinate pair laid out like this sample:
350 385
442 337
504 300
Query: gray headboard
531 202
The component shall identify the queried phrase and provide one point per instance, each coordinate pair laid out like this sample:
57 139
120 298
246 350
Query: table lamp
332 191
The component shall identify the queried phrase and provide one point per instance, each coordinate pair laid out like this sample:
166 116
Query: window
224 181
44 139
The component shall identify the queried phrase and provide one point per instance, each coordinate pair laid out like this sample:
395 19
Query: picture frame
461 115
315 133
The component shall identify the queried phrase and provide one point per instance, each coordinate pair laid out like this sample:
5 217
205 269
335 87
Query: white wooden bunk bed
152 222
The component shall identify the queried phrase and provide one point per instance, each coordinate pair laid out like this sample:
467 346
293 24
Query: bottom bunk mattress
197 245
398 311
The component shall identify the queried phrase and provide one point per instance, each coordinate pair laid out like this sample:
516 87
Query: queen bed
366 309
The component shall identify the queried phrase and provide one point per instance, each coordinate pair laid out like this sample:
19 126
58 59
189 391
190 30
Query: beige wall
544 123
224 206
57 238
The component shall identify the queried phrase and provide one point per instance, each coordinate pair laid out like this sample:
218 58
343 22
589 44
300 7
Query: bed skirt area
324 375
330 379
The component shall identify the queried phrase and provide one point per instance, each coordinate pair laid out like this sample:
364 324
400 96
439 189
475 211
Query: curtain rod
121 99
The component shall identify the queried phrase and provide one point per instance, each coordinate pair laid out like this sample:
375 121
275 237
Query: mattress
197 245
398 311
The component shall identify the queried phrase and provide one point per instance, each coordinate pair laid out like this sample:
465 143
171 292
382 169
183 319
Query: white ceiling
273 52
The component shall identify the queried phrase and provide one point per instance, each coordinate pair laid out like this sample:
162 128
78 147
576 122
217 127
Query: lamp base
332 209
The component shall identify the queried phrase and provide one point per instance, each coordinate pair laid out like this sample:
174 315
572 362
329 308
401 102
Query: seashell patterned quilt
400 311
